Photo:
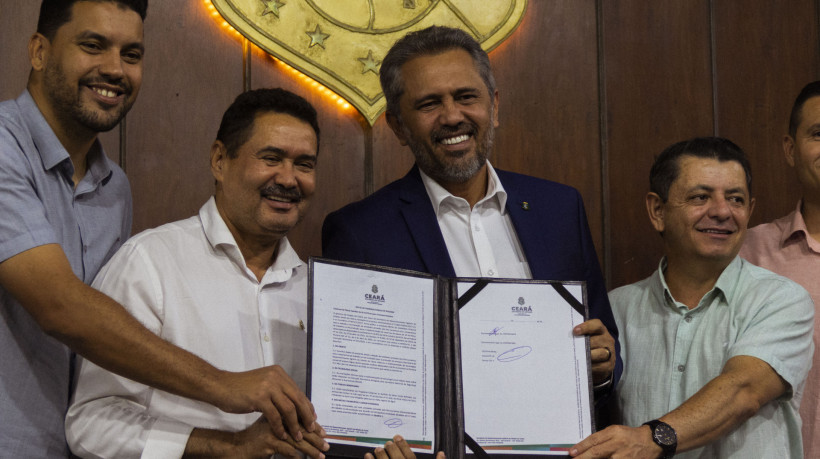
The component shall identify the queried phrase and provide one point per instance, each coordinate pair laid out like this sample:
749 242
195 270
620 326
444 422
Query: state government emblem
341 43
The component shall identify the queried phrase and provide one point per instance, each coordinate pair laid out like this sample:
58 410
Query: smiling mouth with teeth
455 140
105 92
714 231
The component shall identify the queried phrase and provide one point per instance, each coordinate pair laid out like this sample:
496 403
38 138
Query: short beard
451 171
67 103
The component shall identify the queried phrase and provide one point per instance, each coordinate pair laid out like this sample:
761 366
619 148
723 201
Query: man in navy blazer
453 214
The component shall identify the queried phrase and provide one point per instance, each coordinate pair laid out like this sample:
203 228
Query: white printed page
373 357
525 378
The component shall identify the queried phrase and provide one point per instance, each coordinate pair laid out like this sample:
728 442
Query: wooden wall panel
548 87
193 70
19 21
658 90
764 53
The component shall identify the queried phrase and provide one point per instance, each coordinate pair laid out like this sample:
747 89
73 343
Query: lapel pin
301 325
525 205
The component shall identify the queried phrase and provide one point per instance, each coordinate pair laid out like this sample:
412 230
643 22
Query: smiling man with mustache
225 285
715 349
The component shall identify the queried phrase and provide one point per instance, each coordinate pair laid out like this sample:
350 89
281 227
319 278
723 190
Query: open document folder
465 366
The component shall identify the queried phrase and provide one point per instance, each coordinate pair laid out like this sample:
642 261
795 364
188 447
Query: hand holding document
465 366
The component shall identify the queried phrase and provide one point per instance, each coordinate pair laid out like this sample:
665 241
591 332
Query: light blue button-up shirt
39 205
671 352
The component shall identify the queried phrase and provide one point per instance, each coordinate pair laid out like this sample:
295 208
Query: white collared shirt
188 283
481 241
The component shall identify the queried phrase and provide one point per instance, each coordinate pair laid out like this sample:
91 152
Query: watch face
665 435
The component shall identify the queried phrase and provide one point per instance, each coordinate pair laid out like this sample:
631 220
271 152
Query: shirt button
681 368
688 318
267 338
477 229
491 273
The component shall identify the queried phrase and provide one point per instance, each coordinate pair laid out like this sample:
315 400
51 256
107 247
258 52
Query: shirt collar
725 285
218 234
437 193
51 151
795 225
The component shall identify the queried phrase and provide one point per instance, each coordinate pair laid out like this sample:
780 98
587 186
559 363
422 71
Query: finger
287 412
275 420
404 447
316 441
590 327
309 450
304 409
368 456
380 453
393 451
601 354
441 455
285 449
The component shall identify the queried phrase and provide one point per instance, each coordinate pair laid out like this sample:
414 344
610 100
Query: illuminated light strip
307 81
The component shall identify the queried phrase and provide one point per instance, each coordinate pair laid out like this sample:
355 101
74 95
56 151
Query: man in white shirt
226 285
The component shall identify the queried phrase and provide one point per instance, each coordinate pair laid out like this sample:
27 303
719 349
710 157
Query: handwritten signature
393 423
495 331
514 354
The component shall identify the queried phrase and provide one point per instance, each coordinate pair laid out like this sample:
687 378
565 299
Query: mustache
278 191
448 131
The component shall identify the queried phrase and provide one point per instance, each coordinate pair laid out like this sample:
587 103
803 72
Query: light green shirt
670 352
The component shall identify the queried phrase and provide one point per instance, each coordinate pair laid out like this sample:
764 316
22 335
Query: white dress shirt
188 282
481 241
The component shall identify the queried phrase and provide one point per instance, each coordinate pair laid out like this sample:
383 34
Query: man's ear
655 209
751 206
395 125
788 149
38 47
219 155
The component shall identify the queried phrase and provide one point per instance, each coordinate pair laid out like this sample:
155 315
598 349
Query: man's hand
257 441
396 449
272 392
618 442
602 349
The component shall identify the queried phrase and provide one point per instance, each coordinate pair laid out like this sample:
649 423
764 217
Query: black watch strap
664 436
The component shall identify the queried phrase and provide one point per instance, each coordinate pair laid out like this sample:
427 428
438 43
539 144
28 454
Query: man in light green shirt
715 349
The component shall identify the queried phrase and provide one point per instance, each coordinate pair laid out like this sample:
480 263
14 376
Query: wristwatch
664 436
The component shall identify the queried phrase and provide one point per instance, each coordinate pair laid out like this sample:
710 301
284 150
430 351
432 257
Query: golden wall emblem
341 43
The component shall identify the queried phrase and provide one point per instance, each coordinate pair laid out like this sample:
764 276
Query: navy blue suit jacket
396 226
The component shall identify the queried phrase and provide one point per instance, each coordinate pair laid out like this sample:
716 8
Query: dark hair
55 13
666 168
237 122
432 40
810 90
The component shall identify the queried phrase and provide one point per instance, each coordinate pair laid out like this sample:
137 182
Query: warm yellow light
306 80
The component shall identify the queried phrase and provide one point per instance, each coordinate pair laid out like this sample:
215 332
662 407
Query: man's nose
451 113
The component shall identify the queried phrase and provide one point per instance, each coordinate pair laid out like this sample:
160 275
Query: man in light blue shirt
715 349
64 210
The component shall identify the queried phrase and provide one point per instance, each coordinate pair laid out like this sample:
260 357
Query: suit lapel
523 217
420 219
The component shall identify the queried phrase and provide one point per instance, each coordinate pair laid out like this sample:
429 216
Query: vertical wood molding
713 61
606 215
247 59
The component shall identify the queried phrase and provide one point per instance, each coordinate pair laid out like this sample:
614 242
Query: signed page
525 378
372 368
